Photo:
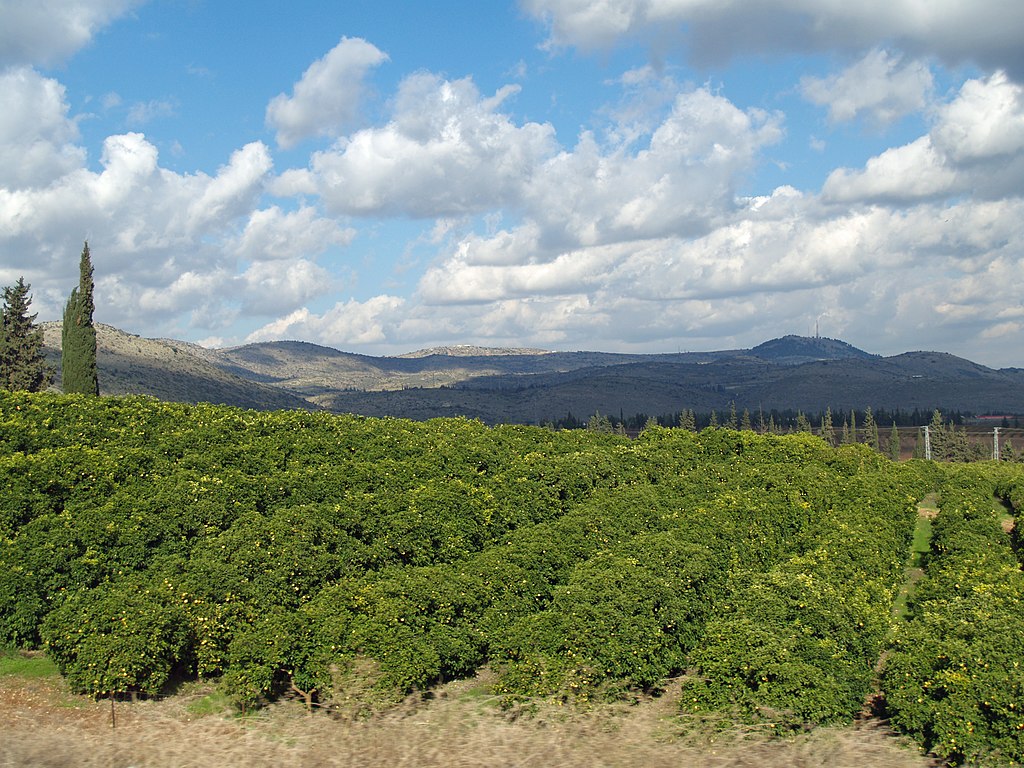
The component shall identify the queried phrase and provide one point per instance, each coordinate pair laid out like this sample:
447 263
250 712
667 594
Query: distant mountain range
534 386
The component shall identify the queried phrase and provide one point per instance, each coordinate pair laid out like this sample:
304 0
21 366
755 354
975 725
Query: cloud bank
644 228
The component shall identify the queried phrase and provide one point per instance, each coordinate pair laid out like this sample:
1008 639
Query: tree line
884 431
23 365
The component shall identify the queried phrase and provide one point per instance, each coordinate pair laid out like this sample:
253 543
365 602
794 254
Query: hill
517 385
170 370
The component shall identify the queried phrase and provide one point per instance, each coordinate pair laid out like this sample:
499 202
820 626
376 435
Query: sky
613 175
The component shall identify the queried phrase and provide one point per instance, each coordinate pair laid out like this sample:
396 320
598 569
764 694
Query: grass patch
27 664
1003 511
922 542
213 703
929 504
919 548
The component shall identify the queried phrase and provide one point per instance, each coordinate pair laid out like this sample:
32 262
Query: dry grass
46 727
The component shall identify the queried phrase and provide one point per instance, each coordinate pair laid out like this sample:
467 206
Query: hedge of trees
142 543
955 678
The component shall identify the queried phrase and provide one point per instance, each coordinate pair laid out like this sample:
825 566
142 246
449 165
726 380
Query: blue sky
628 175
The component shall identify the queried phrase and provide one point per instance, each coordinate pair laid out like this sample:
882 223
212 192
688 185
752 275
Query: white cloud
327 98
37 138
271 287
47 31
984 122
446 151
911 172
879 87
773 269
682 181
346 324
975 146
987 32
233 191
166 245
272 234
143 112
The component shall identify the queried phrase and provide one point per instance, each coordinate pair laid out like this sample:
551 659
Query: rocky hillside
533 386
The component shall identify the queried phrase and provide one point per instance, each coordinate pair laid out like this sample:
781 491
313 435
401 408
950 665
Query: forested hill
533 386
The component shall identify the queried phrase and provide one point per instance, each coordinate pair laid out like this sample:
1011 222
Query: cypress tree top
78 335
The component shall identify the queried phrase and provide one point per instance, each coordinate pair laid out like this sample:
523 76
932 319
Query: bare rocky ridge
173 371
532 386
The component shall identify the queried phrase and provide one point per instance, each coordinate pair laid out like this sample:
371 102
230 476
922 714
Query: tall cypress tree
22 364
870 428
828 433
78 335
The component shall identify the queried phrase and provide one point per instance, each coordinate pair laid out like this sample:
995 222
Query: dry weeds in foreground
44 727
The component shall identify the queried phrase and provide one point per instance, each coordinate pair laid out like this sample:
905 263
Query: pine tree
688 421
937 436
828 433
803 424
746 424
732 423
599 423
22 364
894 443
713 420
78 335
870 428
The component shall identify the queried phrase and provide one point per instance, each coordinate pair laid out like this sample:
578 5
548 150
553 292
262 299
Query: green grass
919 548
1003 511
213 703
28 664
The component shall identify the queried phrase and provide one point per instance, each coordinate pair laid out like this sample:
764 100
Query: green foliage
629 618
796 643
22 364
956 676
78 335
145 542
132 636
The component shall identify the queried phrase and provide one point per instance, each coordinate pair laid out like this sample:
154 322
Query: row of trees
23 365
949 440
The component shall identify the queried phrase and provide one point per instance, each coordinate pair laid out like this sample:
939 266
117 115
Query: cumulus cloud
447 150
164 243
772 268
327 97
975 146
37 138
272 234
984 122
911 172
345 324
271 287
681 181
584 209
879 87
987 32
47 31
